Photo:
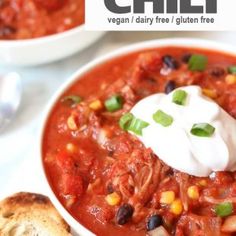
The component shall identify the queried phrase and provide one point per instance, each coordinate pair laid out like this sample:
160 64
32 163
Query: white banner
161 15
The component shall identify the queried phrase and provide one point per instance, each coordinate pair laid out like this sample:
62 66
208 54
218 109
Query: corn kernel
167 197
210 93
96 105
71 123
202 183
230 79
113 199
70 147
193 192
176 207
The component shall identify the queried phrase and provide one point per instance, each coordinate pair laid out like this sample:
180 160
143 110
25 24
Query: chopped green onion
224 209
197 62
126 120
179 97
137 126
202 130
129 122
232 69
162 118
114 103
71 99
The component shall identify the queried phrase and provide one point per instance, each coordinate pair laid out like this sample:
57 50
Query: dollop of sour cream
176 146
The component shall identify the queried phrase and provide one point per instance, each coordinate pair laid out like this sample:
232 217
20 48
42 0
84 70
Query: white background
97 14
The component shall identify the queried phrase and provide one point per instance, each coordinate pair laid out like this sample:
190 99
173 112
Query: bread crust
29 214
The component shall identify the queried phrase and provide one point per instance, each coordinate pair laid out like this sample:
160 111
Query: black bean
170 62
169 172
186 57
110 153
6 31
110 188
154 222
170 86
151 80
217 71
124 214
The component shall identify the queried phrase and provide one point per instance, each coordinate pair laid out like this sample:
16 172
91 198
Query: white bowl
46 49
181 42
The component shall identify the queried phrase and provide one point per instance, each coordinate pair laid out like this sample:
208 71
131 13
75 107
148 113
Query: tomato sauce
105 177
26 19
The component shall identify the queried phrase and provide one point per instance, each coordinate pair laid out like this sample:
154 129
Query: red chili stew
26 19
107 179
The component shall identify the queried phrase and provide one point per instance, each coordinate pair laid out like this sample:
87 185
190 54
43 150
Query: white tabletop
19 170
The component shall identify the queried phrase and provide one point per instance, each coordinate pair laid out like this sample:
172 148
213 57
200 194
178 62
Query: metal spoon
10 97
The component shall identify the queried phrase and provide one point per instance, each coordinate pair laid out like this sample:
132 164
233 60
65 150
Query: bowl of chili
39 31
102 178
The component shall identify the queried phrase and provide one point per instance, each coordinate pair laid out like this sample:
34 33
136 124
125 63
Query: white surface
18 144
46 49
198 156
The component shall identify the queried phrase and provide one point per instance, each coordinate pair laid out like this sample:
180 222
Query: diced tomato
146 64
223 178
150 61
101 210
232 192
51 4
72 185
65 163
105 214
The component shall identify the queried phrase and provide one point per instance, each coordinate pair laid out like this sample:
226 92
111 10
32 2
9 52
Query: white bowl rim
193 43
43 39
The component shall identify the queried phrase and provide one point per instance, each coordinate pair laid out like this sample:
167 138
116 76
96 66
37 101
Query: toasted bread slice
28 214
